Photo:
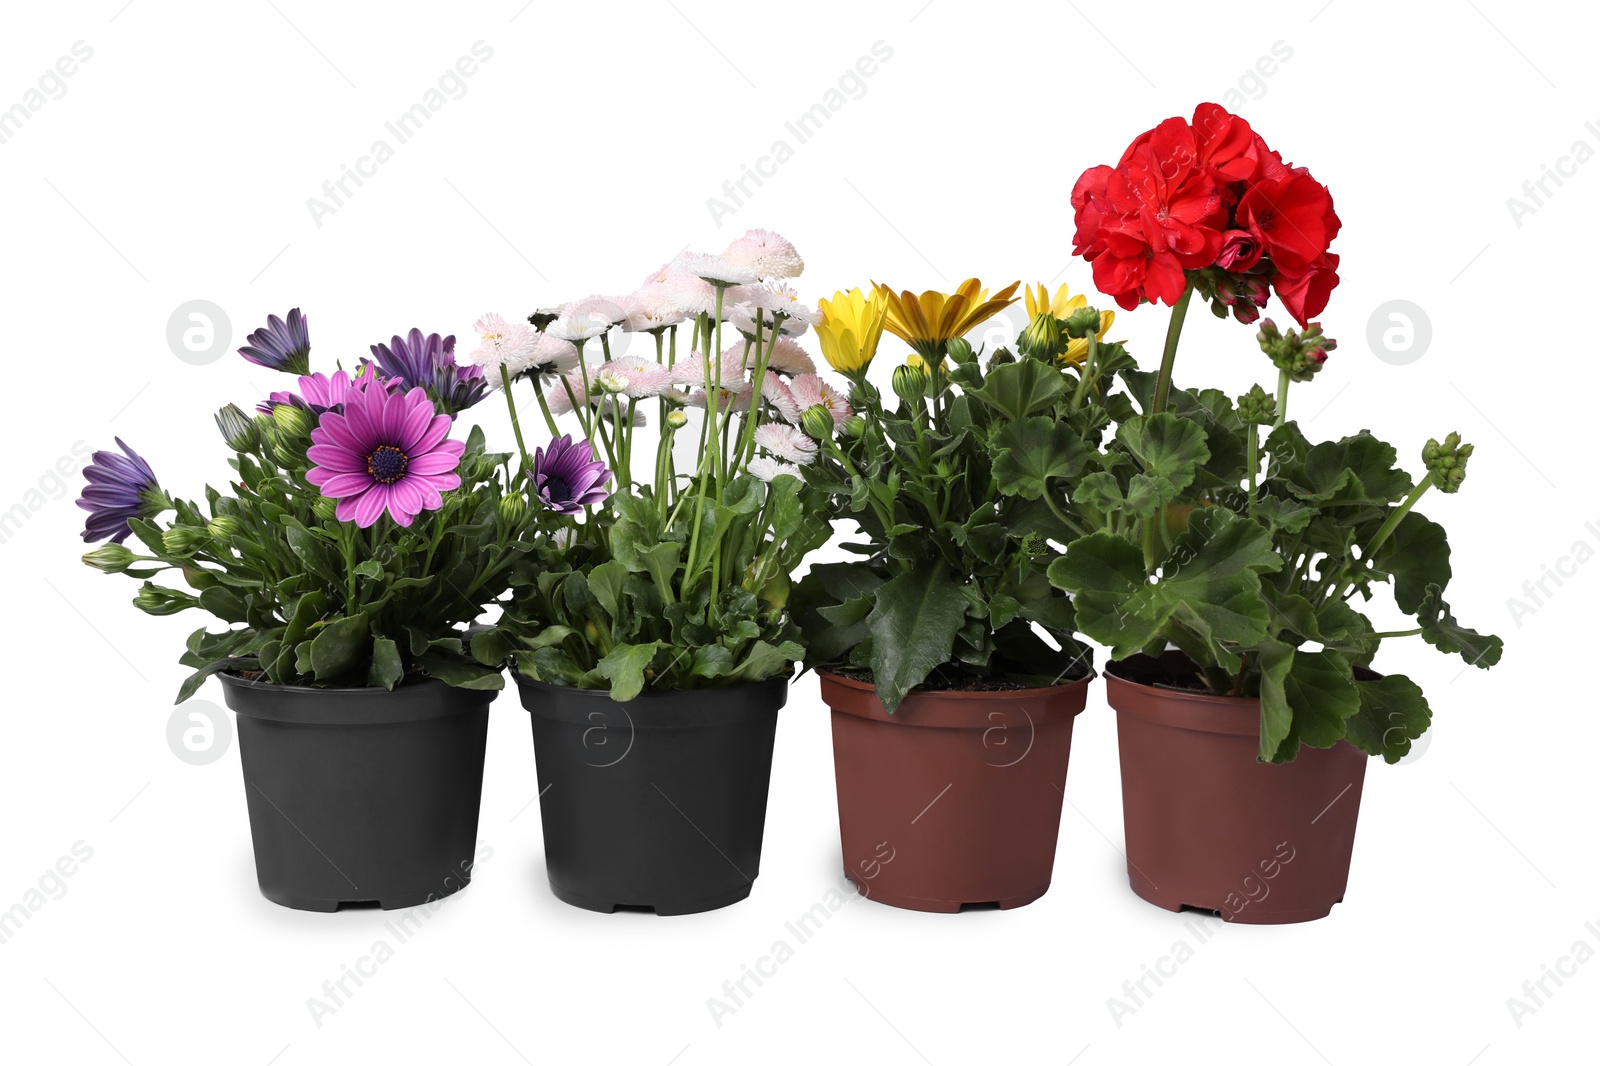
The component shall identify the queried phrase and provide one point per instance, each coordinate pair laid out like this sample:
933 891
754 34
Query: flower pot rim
665 693
1203 712
367 705
667 709
954 709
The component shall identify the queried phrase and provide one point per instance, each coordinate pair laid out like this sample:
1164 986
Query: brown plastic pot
955 799
1210 828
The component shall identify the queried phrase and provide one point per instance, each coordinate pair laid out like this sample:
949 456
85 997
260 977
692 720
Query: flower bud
222 528
612 381
1447 462
1257 407
677 419
109 558
513 508
325 508
153 599
184 540
1298 354
1082 322
291 420
817 422
910 383
959 350
945 469
237 428
1042 339
854 427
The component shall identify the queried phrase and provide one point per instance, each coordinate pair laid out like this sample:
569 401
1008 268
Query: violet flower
120 487
280 344
430 363
567 478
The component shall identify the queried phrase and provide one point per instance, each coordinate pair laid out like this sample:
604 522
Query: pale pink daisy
716 270
611 309
649 309
502 344
765 468
809 390
786 442
580 327
767 253
689 293
641 378
569 391
789 358
692 371
776 393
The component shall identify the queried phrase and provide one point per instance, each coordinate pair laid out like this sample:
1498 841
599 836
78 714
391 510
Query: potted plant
1227 550
652 643
946 655
354 542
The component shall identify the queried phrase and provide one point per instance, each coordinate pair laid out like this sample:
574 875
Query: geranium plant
960 481
355 539
682 581
1217 526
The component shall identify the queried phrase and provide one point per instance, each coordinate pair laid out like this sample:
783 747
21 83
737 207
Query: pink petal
335 458
431 500
415 423
439 482
406 496
372 505
346 511
436 462
432 435
346 484
335 429
391 417
361 417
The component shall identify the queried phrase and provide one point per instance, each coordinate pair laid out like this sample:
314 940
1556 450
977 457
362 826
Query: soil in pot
361 796
655 803
1210 828
955 799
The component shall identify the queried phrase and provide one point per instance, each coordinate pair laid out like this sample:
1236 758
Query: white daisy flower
786 442
767 253
649 309
789 358
552 353
743 318
765 468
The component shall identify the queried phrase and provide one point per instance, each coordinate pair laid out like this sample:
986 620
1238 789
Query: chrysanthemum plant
356 540
1219 529
682 580
961 483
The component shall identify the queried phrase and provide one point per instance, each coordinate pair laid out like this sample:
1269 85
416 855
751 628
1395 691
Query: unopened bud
184 540
237 428
910 383
1447 462
959 350
1257 407
677 419
513 508
291 420
817 422
109 558
325 508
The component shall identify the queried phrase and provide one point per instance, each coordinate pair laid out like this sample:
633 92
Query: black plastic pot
658 802
361 796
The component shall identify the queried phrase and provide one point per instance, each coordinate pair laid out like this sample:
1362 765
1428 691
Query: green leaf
339 647
1103 572
1027 453
369 568
1020 389
1316 694
386 668
1169 448
491 647
606 581
768 660
913 627
1393 714
1440 628
711 661
459 673
1283 516
1418 555
624 667
192 683
223 602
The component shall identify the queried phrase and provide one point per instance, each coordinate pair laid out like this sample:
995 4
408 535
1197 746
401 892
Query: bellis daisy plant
682 580
359 533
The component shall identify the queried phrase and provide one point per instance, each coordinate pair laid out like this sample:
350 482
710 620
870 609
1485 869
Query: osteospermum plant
358 535
682 580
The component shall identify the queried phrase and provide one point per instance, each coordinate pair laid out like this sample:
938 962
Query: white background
176 166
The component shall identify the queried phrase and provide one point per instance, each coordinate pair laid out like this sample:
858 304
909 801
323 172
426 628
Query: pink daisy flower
767 253
810 390
787 443
385 452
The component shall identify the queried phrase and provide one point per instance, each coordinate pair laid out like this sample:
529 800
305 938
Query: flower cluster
1207 202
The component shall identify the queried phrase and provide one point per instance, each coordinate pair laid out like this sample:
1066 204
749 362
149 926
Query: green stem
1393 520
1398 633
1283 397
1170 353
1252 464
516 426
1085 372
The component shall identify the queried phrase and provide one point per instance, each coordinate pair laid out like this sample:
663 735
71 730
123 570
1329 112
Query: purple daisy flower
120 487
430 363
385 452
320 393
568 477
281 345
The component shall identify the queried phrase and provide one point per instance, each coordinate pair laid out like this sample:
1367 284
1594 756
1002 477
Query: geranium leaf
1030 451
1440 628
913 626
1020 389
1393 714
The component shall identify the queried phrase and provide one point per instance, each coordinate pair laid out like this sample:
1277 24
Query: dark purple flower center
387 464
556 489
